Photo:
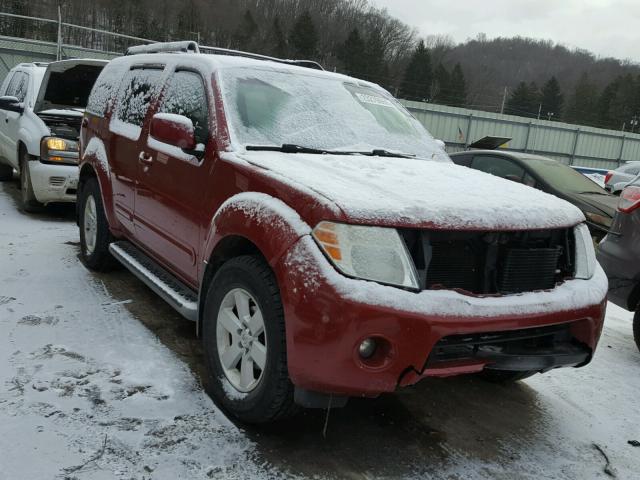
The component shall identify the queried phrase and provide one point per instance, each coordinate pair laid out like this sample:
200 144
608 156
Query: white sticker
373 100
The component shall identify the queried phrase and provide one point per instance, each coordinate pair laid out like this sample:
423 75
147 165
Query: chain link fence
66 35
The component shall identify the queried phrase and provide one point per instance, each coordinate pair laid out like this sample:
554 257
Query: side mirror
176 130
11 104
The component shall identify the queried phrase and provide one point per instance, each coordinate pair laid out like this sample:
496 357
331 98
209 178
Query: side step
172 290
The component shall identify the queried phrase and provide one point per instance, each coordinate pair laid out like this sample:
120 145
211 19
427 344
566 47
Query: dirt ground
572 423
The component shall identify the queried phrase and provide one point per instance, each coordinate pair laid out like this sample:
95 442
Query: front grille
525 270
491 262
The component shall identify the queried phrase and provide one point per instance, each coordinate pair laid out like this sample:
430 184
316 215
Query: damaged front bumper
430 333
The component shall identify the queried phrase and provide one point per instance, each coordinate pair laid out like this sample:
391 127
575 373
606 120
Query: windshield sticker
373 100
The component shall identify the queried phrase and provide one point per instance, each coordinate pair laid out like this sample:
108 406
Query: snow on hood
416 192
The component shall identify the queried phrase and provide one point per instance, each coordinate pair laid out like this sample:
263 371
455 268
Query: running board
173 291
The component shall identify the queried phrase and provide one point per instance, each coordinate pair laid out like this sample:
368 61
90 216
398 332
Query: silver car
619 178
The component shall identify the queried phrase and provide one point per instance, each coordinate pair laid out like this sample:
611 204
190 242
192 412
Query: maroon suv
320 238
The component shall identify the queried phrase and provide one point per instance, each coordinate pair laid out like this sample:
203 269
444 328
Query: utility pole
504 99
59 46
539 111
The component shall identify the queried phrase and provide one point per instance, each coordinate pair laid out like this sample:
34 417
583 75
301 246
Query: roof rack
164 47
193 47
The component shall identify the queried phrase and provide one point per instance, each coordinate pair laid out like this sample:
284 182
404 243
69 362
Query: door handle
145 158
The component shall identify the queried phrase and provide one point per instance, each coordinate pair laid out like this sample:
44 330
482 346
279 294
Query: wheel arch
249 223
94 164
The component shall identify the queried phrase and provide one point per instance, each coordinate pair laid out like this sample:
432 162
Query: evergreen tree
625 104
524 100
247 33
353 53
277 40
458 87
376 66
551 99
441 85
583 103
606 117
416 84
304 37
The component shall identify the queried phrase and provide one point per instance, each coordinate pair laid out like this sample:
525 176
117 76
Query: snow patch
265 209
401 191
95 148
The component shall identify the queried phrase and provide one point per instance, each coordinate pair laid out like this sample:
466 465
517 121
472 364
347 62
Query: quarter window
18 86
138 88
498 166
185 95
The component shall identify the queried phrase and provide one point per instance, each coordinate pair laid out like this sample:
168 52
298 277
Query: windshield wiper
293 148
592 193
287 148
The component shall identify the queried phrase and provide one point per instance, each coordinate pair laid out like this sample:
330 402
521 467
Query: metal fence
29 39
570 144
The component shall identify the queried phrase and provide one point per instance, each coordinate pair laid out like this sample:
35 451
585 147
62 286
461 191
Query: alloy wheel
241 340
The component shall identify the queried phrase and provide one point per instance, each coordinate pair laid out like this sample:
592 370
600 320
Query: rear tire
95 236
636 328
29 202
6 173
504 376
247 284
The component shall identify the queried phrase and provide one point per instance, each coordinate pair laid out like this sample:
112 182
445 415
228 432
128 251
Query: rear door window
137 90
185 95
633 170
499 166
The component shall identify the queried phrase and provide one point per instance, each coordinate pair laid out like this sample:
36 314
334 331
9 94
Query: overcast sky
605 27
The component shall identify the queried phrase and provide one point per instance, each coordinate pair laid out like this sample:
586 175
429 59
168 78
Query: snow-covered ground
86 391
93 387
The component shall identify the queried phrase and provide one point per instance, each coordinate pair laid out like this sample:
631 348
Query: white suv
41 109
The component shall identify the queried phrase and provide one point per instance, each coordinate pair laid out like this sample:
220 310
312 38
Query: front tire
95 236
636 328
29 202
504 376
244 342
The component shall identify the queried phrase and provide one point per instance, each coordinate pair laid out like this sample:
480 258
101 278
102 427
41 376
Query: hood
67 84
606 204
418 193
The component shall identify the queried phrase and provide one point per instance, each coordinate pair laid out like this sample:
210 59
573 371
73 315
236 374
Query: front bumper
328 316
53 183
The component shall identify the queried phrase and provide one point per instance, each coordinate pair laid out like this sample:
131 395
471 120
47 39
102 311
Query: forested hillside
540 77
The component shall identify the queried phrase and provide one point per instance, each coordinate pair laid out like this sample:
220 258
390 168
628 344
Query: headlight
599 219
59 150
370 253
585 254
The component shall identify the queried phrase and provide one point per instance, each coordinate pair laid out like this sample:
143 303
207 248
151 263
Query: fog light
367 348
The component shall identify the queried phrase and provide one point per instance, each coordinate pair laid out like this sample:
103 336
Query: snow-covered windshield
272 107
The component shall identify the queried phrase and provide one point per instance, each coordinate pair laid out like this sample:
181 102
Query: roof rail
257 56
164 47
193 47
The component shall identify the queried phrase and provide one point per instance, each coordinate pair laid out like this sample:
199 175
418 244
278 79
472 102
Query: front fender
269 223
